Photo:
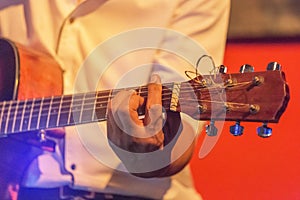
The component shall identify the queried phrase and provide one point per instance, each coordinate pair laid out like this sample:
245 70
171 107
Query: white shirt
76 35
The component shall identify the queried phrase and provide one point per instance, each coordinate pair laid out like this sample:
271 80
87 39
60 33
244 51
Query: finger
134 103
124 109
154 91
119 107
154 100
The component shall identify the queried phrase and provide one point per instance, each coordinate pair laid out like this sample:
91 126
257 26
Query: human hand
126 130
132 138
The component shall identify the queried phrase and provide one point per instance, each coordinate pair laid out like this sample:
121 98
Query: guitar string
105 107
74 102
86 105
35 113
92 118
32 126
182 90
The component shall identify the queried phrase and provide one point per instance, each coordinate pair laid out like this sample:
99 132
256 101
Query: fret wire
65 110
51 117
88 105
76 107
49 112
94 107
81 109
109 98
70 111
35 114
26 116
2 113
39 114
7 119
59 110
30 114
23 113
15 116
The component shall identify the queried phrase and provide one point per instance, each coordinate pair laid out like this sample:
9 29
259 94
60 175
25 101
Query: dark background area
264 19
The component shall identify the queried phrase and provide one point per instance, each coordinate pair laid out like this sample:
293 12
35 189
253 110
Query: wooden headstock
251 96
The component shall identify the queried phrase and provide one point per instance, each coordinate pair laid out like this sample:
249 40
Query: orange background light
250 167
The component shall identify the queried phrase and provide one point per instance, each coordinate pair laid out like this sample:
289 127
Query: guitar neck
231 97
61 111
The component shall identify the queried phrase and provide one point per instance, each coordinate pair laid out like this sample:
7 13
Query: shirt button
71 20
73 166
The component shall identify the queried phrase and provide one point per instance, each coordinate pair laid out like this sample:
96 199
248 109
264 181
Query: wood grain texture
40 75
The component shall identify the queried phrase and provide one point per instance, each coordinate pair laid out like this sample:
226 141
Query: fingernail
155 79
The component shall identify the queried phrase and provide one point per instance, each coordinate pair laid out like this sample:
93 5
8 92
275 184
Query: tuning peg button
222 69
236 129
44 142
211 129
273 66
246 68
264 131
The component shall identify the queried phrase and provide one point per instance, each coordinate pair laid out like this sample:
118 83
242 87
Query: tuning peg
222 69
45 143
236 129
273 66
246 68
211 129
264 131
48 145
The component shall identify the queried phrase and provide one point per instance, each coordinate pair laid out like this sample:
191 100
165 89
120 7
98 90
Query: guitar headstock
246 96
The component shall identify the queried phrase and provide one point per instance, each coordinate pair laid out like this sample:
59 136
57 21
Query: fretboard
61 111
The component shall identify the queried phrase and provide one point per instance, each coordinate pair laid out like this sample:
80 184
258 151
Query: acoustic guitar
31 101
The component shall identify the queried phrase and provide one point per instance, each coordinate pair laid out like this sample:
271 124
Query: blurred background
250 167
